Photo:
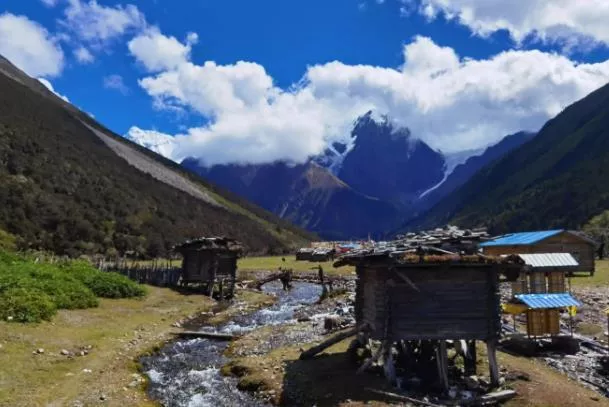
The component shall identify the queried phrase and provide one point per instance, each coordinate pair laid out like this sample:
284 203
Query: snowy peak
160 143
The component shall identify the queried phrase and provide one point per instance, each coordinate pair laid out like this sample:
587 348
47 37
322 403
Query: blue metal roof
523 238
536 301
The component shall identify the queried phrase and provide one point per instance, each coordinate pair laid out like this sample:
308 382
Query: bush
26 305
103 284
113 285
31 291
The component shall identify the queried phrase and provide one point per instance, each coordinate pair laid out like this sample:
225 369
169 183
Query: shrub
26 305
31 291
103 284
113 285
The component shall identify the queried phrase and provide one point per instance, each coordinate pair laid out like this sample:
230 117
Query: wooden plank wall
452 303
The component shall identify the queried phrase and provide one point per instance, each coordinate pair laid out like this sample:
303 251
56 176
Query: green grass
599 279
274 262
33 291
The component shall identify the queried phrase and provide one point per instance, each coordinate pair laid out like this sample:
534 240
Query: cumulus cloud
116 82
157 52
97 25
567 21
450 102
83 55
49 86
29 46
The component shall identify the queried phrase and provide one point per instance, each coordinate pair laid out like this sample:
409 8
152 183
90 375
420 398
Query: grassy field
274 262
117 332
599 279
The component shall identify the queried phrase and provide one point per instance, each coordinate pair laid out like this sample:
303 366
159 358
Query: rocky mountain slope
558 179
305 194
69 185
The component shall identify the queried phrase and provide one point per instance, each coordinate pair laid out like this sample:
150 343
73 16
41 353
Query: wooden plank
308 354
491 348
401 397
206 335
498 396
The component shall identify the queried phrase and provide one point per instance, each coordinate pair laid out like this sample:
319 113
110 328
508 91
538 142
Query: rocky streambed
188 372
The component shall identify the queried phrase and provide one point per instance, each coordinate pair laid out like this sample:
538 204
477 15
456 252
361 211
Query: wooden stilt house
416 304
540 292
210 262
582 248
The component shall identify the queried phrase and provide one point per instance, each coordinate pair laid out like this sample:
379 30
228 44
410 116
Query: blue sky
474 71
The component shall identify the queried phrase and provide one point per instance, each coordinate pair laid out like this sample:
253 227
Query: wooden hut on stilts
210 262
419 305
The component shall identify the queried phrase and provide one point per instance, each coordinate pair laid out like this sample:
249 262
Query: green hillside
558 179
70 186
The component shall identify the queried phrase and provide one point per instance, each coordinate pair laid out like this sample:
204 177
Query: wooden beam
308 354
401 397
372 359
207 335
491 347
442 361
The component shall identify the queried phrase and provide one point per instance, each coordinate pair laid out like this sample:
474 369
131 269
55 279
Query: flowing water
187 373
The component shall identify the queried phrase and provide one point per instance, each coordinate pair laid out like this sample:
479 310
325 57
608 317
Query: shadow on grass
329 380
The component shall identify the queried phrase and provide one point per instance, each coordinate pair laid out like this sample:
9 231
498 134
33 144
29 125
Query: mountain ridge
63 188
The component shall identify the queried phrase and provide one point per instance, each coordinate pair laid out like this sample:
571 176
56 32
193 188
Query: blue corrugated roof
523 238
548 300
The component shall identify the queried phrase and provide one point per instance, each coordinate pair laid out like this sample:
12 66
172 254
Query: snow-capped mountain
160 143
380 175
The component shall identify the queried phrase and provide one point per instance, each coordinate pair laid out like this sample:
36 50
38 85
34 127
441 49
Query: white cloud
83 55
49 86
567 21
97 24
157 52
29 46
452 103
116 82
50 3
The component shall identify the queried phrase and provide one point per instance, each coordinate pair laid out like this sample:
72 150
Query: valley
327 204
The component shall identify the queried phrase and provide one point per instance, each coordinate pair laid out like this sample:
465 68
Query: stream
187 372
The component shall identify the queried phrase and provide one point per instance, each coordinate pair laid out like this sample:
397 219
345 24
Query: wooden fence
157 273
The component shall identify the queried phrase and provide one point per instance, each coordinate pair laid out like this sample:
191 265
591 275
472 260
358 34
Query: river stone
331 322
65 352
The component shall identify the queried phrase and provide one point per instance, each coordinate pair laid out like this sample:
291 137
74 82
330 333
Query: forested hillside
72 190
558 179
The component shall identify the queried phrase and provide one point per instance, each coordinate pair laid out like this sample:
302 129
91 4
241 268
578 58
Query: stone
65 352
331 322
102 397
9 318
86 370
39 351
81 353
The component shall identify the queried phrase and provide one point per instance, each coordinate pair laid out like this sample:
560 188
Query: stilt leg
491 347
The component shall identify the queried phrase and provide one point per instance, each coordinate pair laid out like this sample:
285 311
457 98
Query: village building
211 263
541 292
418 304
582 248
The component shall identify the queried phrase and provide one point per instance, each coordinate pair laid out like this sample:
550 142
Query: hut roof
552 300
529 238
542 260
210 243
428 256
